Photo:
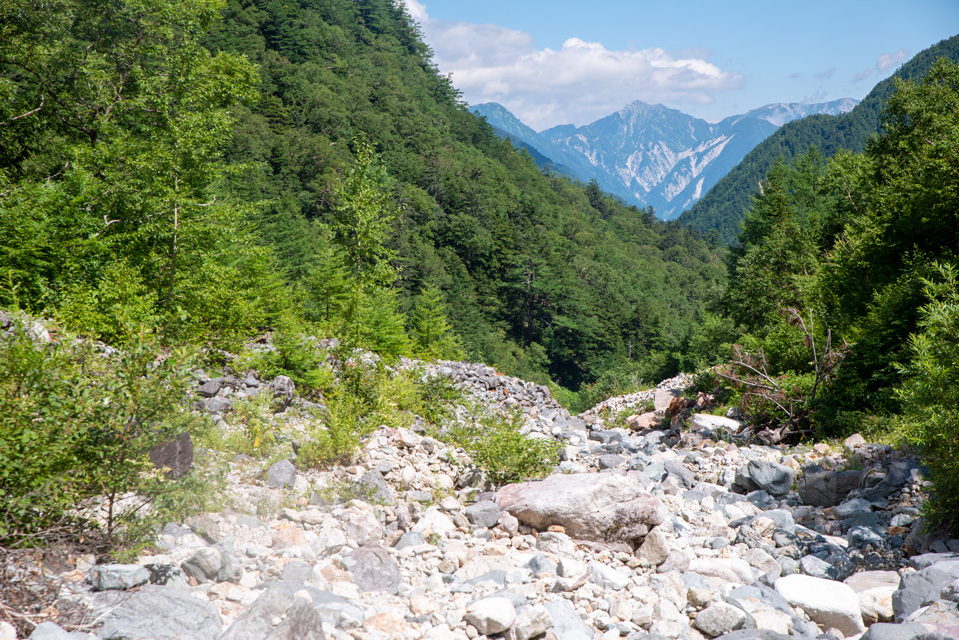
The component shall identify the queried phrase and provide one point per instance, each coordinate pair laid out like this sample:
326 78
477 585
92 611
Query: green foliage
930 395
363 221
75 429
365 397
540 278
336 439
255 417
108 194
431 328
498 445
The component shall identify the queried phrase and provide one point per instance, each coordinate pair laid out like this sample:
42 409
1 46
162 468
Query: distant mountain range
649 155
722 208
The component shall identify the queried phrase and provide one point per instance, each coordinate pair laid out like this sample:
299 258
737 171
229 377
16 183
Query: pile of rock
639 533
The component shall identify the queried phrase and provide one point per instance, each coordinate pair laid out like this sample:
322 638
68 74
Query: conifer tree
431 328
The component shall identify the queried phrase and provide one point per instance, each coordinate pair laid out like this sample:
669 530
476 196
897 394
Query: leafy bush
365 397
497 444
930 395
76 426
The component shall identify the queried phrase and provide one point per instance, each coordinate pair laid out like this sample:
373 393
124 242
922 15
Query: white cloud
884 63
576 84
888 60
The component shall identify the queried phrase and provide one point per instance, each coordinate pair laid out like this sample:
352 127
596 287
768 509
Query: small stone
529 623
558 543
607 577
719 618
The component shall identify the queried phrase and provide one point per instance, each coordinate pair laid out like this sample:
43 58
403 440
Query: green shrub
336 439
76 426
499 447
930 395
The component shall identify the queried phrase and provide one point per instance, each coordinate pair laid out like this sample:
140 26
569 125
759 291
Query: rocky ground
643 531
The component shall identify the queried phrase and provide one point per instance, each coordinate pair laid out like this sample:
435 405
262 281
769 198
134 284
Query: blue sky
560 62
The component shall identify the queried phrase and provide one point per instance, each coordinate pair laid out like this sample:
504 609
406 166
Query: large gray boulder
821 488
374 569
567 625
601 507
773 478
281 474
118 576
923 587
256 621
162 613
302 622
828 603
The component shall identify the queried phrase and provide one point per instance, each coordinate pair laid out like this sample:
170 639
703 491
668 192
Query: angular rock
678 470
923 587
162 613
483 514
885 631
875 589
175 455
375 570
204 565
491 615
603 507
567 625
606 577
828 603
281 474
219 405
529 623
373 487
410 539
719 618
655 548
48 631
302 622
822 488
773 478
702 421
256 621
118 576
363 528
283 389
555 543
734 570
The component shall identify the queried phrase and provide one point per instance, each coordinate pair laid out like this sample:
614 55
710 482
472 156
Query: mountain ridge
649 154
721 209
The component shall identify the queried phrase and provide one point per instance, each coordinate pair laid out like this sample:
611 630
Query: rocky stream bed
642 531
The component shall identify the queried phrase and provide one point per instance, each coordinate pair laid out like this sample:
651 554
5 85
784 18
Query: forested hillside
722 207
213 171
842 296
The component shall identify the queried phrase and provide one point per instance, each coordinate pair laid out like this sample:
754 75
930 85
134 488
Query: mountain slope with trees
842 298
257 165
722 207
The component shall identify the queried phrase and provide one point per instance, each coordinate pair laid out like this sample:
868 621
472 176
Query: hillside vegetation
216 170
842 296
723 206
182 180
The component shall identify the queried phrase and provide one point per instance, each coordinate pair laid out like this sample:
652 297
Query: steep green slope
722 207
539 275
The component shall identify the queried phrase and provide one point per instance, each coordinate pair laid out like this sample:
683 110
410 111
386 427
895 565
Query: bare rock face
599 507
